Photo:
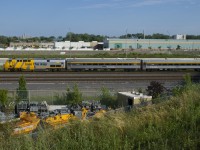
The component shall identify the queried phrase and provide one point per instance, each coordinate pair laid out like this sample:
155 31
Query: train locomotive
102 64
29 64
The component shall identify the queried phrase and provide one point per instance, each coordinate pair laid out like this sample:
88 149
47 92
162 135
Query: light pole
70 36
169 40
126 44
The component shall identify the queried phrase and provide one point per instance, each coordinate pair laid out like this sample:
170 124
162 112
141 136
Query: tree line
156 36
74 37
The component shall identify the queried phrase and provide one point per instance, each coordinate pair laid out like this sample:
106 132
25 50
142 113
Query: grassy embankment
102 55
172 124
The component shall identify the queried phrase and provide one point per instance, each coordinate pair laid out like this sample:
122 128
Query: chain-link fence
51 96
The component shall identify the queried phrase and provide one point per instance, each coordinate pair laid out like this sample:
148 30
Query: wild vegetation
71 96
102 55
170 124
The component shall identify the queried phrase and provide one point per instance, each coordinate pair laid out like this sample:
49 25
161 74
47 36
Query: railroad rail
95 76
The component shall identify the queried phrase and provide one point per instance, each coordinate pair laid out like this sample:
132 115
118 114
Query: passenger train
104 64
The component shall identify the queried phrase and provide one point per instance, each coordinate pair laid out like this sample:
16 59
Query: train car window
25 60
37 64
58 65
17 60
52 65
29 60
48 60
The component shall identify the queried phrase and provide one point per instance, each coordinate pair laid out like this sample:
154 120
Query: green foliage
5 41
100 54
83 37
3 98
75 96
106 98
72 97
173 124
140 90
188 79
178 47
177 90
155 89
141 36
22 93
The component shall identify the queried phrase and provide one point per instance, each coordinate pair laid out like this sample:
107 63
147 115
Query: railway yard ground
90 83
101 53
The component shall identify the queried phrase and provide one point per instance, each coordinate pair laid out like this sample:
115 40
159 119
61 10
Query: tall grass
172 124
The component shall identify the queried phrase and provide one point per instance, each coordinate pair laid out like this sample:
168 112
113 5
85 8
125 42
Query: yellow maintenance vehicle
59 120
28 122
19 65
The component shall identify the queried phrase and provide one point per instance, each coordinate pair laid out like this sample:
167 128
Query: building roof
135 95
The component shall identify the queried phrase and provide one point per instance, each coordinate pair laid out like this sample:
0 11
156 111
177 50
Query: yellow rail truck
19 65
27 124
59 120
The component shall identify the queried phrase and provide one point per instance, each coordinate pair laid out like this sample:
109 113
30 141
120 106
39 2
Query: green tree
155 89
106 98
75 96
3 99
22 93
70 97
178 47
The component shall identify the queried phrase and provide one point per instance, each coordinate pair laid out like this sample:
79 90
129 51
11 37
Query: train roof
169 58
172 60
102 60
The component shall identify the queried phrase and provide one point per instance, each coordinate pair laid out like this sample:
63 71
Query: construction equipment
27 124
59 120
84 113
99 113
29 121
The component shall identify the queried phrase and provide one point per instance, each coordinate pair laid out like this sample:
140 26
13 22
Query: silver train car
49 64
170 64
112 64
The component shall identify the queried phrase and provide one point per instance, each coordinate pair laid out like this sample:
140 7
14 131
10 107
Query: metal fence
52 96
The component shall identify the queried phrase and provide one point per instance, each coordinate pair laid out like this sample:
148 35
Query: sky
99 17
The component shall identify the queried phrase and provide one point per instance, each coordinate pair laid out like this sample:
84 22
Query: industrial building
114 43
76 45
133 99
32 44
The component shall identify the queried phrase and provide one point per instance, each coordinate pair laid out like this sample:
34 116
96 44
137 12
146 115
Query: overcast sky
104 17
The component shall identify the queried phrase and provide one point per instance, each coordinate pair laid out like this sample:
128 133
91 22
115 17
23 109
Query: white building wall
74 45
180 37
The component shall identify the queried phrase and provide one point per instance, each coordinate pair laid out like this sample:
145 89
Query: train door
142 65
130 102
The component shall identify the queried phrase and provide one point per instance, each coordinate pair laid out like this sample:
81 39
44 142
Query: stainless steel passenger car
49 64
83 64
171 63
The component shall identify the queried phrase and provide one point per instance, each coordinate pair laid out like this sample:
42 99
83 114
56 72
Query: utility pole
126 44
143 34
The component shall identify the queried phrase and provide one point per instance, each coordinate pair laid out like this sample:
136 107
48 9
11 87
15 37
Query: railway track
95 76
